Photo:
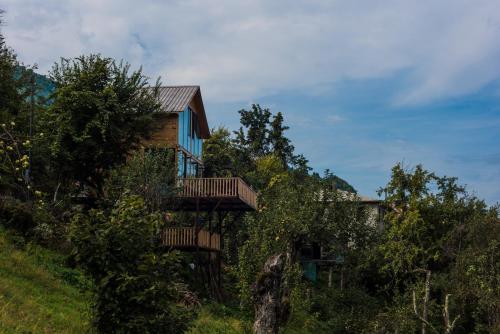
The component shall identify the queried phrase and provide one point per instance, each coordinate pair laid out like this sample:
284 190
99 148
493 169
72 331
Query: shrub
16 215
136 284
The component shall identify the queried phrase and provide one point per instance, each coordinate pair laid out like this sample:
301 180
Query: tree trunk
426 300
270 297
330 276
342 278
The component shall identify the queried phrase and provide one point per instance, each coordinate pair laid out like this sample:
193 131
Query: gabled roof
175 99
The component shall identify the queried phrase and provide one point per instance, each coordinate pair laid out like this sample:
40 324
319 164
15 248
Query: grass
38 294
219 319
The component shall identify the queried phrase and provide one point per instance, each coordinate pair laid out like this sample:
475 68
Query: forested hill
44 86
341 184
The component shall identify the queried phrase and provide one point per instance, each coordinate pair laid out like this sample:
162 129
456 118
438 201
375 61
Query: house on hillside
312 255
182 126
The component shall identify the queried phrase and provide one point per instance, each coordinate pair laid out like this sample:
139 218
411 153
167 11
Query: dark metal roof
176 98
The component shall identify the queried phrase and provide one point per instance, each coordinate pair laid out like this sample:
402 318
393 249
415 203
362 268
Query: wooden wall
167 133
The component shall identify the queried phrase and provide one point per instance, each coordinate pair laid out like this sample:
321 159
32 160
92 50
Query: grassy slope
34 297
219 319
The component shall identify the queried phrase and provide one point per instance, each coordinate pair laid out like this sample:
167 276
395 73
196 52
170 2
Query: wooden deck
185 238
230 193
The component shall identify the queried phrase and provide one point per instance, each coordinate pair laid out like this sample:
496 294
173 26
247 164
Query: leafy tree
14 162
293 214
430 245
10 83
219 154
149 173
16 87
136 283
100 113
260 135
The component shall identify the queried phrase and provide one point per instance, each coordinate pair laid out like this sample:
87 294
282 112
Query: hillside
38 294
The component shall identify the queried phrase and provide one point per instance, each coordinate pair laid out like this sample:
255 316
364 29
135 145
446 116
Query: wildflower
38 193
12 123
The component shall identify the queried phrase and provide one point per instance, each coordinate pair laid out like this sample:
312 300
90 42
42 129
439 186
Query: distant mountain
342 184
44 86
336 182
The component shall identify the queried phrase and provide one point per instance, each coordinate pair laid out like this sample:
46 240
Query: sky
362 84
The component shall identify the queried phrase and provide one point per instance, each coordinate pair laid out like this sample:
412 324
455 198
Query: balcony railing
185 237
219 188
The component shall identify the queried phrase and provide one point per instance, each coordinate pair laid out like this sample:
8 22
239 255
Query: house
311 255
182 126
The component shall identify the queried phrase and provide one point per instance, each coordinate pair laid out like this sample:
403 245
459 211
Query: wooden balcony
185 238
226 194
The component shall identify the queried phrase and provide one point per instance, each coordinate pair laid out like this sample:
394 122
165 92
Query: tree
136 283
219 154
260 135
15 143
295 213
149 174
433 227
100 113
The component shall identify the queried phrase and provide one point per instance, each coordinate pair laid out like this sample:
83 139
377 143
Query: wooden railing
218 187
185 237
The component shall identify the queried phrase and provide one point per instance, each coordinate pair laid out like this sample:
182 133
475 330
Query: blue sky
363 84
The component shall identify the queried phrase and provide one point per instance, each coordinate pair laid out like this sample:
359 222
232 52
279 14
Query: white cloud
240 50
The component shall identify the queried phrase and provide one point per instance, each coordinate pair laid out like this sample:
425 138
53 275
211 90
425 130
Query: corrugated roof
176 98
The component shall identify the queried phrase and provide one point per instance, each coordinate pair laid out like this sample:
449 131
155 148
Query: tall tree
263 134
219 154
100 113
15 120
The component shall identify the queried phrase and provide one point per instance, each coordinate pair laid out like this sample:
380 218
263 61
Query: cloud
247 49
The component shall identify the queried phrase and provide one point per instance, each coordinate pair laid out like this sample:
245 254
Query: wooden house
182 126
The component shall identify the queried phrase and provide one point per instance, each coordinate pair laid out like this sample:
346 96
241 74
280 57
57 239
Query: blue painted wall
189 140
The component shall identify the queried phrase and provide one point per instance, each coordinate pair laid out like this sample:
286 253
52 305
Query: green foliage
220 319
294 214
433 224
476 275
219 154
149 174
38 293
337 182
18 215
15 144
260 136
136 283
100 112
14 86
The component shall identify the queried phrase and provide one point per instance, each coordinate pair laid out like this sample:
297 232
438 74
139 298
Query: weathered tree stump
270 297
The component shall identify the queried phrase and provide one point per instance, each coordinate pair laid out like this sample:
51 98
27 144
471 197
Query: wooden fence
218 187
185 237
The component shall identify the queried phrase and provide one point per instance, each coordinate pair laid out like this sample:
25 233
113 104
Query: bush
16 215
136 284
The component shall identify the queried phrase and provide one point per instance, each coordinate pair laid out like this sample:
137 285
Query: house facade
182 125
